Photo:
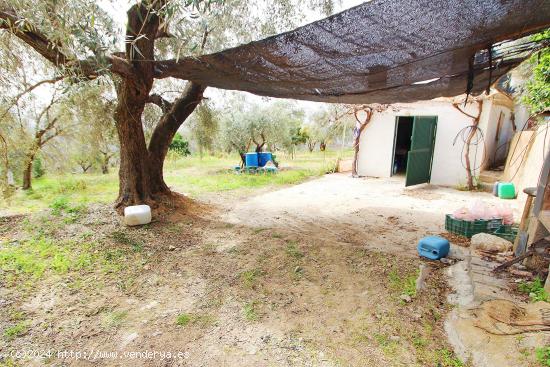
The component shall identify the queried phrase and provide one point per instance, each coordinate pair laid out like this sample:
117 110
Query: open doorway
402 145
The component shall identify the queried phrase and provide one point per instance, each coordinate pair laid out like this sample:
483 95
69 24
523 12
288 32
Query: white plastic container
137 215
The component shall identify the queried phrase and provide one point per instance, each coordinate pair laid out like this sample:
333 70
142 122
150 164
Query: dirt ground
380 214
318 274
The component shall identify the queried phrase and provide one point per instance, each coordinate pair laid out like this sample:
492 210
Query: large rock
490 243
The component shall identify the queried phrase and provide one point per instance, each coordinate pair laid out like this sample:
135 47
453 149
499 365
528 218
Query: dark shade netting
382 51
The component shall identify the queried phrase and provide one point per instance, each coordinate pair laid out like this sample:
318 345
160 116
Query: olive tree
80 40
260 127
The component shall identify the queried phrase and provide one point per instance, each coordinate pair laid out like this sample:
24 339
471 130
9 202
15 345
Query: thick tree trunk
165 131
27 175
134 186
132 94
27 169
105 162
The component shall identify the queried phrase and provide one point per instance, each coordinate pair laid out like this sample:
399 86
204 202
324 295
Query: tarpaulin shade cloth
377 51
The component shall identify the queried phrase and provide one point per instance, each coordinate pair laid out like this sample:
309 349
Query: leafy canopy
537 95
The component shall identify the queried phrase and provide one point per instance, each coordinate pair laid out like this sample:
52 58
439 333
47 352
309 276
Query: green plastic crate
508 232
493 224
464 227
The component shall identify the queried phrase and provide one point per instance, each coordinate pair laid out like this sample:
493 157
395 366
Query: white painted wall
521 113
496 150
376 144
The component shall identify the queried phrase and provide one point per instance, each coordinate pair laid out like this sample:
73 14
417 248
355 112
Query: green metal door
419 158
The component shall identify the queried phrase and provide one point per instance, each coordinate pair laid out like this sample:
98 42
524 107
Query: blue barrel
495 189
264 157
433 247
251 159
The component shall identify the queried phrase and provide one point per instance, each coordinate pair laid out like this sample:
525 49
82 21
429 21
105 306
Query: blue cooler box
433 247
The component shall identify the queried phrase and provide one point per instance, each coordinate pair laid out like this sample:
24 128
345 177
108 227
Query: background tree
298 136
328 123
9 138
81 41
235 133
260 127
310 139
180 146
48 123
95 139
205 127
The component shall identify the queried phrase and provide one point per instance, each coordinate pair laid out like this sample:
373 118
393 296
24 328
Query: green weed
543 356
15 331
183 319
403 284
535 290
250 311
73 213
59 204
389 346
68 186
249 277
419 342
448 359
201 320
36 256
123 239
114 319
293 251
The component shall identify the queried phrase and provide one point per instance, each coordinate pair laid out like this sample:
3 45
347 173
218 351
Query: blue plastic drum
263 158
251 159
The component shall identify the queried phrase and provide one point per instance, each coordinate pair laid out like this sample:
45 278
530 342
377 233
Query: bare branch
456 105
164 104
28 90
204 38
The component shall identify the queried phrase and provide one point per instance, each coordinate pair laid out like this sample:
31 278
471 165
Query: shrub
537 94
37 168
69 186
59 204
179 145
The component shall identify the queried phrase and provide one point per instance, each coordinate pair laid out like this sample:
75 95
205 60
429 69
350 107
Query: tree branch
28 90
172 120
204 38
52 51
164 104
456 105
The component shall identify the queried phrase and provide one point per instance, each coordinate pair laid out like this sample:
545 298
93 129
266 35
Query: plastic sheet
382 51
